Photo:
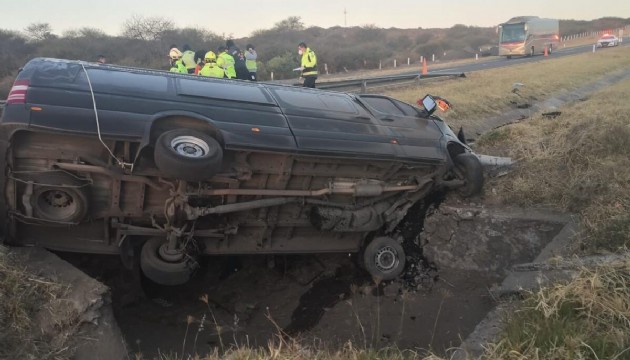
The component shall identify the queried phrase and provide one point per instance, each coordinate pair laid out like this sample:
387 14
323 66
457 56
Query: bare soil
322 299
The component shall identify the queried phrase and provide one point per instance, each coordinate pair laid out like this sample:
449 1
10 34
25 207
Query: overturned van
109 159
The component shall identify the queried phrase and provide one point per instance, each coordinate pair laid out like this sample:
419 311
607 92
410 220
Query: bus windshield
513 33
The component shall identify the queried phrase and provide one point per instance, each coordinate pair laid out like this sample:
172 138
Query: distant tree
86 32
290 23
282 66
423 38
146 28
39 31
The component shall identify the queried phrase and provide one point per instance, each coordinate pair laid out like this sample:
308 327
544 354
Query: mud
328 298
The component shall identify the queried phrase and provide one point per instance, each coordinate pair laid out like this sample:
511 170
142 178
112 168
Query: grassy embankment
579 161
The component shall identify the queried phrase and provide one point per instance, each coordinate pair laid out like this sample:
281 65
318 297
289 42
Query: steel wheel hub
190 146
387 259
57 198
170 255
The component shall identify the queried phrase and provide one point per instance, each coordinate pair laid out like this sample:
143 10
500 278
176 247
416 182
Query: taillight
17 95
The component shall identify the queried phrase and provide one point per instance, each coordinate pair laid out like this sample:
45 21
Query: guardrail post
394 63
380 65
272 76
433 58
594 47
421 59
326 68
408 61
476 56
363 86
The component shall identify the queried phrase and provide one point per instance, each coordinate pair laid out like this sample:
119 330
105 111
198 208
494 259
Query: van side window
299 99
383 105
406 108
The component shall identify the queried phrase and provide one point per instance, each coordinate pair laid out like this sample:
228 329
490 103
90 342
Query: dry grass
22 297
579 162
588 318
489 92
286 349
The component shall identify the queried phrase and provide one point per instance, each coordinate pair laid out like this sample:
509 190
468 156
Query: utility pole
345 19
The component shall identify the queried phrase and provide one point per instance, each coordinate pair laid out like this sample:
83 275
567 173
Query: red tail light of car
17 95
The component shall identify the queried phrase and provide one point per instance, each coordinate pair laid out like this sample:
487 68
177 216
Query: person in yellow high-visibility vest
210 67
226 62
176 61
250 62
308 65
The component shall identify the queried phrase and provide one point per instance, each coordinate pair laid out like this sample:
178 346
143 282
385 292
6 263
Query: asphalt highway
503 61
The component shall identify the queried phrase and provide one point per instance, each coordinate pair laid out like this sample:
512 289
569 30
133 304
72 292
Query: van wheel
384 258
531 52
175 271
188 155
468 168
66 203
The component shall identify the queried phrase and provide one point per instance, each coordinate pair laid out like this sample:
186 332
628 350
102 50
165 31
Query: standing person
101 59
176 61
226 62
188 58
308 65
250 62
210 67
239 60
199 57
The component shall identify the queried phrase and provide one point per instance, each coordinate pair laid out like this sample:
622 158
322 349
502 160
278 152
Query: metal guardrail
364 83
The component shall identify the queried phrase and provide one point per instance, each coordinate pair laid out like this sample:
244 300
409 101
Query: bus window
512 33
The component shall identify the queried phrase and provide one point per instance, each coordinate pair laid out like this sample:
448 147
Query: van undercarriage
66 192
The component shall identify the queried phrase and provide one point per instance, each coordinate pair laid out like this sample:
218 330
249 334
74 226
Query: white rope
98 125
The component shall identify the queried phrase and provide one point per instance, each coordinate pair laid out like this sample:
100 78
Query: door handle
387 119
362 118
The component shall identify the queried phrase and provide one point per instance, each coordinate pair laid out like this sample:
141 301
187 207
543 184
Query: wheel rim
190 146
172 256
56 204
386 259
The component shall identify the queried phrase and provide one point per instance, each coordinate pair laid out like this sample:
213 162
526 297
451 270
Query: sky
241 17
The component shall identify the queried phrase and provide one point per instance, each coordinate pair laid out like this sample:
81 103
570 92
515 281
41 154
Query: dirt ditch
444 292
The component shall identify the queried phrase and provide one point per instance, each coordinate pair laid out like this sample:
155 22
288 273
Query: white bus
528 35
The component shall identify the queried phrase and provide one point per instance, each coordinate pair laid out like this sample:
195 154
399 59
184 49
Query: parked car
607 41
118 160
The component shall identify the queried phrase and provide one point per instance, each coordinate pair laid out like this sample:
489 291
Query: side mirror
430 103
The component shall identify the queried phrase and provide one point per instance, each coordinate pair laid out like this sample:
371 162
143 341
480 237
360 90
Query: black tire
531 52
161 271
188 155
61 199
470 170
384 258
